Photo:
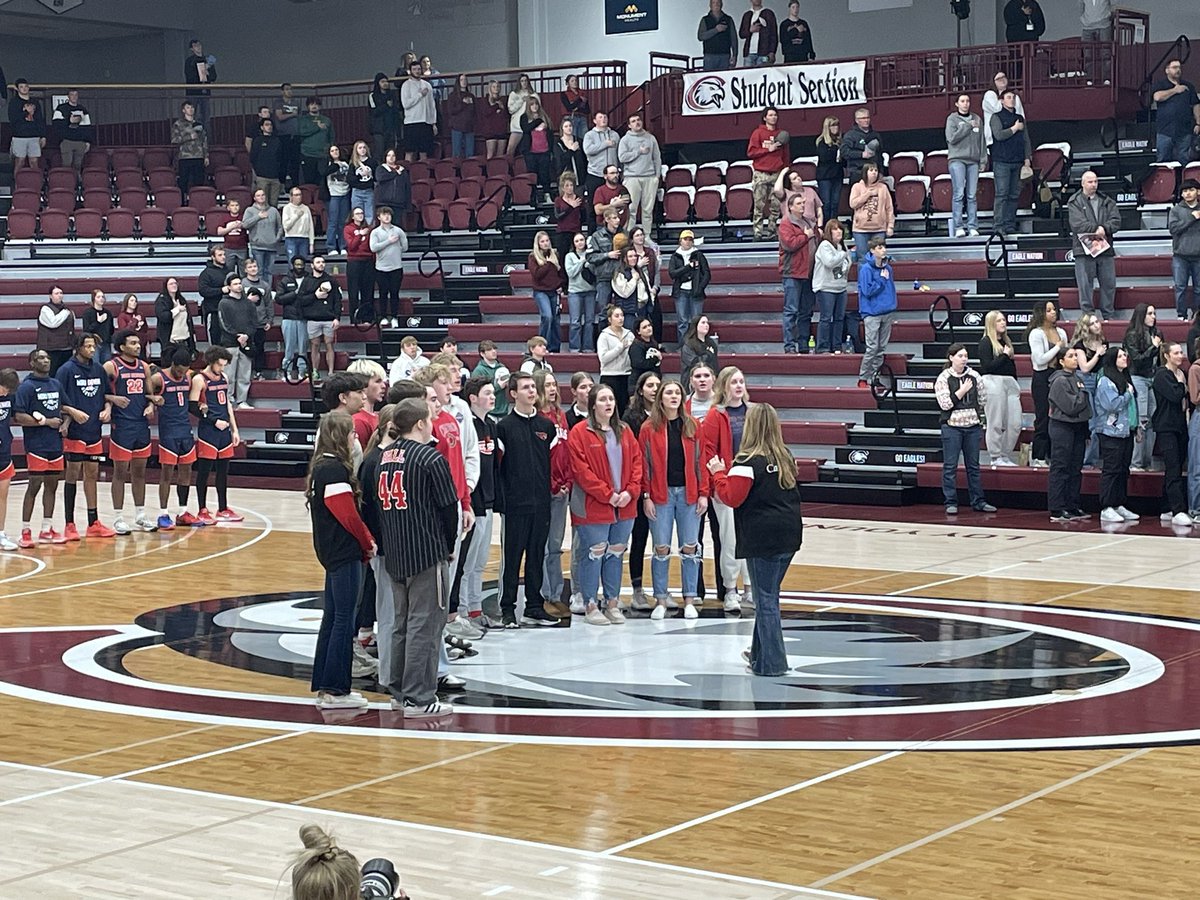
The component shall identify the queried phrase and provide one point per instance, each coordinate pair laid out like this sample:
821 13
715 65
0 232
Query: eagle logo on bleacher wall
709 91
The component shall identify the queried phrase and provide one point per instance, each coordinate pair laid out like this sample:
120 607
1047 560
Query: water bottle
812 344
916 284
847 345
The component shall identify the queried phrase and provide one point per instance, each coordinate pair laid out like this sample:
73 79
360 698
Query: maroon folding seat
214 218
133 200
943 193
495 189
89 224
445 170
901 165
470 188
125 158
119 222
707 203
62 179
986 195
185 222
241 160
1051 162
459 215
422 193
202 197
28 201
420 171
22 224
94 179
473 167
55 223
1159 186
168 199
937 162
805 167
226 178
433 215
739 201
61 198
498 166
161 178
219 157
95 161
739 173
152 222
29 180
683 175
711 173
677 204
487 214
519 167
911 193
99 198
522 189
242 195
156 158
129 179
445 190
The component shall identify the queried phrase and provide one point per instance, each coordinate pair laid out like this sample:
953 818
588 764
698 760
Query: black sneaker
1060 515
510 620
1078 514
537 616
451 684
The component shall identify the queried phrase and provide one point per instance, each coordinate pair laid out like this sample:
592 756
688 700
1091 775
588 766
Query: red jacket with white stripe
654 458
593 478
716 435
560 456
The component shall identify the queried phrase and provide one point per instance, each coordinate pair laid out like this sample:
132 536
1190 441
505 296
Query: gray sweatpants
877 331
418 616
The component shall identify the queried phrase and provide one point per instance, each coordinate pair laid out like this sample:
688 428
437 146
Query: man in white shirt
992 104
420 114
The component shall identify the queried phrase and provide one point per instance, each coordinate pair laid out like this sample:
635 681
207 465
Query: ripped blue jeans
680 517
601 555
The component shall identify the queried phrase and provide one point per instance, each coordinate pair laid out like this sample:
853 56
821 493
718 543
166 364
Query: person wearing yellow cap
690 276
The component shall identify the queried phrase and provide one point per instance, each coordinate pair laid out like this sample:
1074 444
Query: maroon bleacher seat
214 218
683 175
61 179
1051 162
94 179
168 199
89 224
156 158
433 215
986 195
242 195
1159 186
161 178
739 173
473 167
495 189
943 193
519 167
522 189
152 222
905 163
420 171
185 222
55 223
219 157
422 193
445 190
29 180
98 198
459 214
707 203
739 201
133 200
129 179
445 170
241 159
677 204
119 222
487 214
202 197
711 173
125 158
498 166
912 191
22 224
28 201
470 189
806 166
61 198
95 161
1192 170
226 178
937 162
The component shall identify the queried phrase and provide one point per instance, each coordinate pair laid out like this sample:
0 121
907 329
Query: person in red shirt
366 420
796 245
360 267
768 152
560 489
612 194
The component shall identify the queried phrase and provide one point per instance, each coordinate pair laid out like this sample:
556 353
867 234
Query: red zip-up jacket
654 464
593 479
762 159
560 456
716 435
447 441
358 241
795 249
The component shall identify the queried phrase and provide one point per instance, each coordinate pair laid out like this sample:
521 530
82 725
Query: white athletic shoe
639 600
690 611
341 701
141 523
578 607
962 232
1002 461
733 603
1183 520
6 543
1110 515
616 617
660 613
596 617
120 526
1165 518
1127 515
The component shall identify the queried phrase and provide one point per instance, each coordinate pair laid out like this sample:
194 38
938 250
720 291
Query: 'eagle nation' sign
787 87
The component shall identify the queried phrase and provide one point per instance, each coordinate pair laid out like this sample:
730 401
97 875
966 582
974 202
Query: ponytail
323 870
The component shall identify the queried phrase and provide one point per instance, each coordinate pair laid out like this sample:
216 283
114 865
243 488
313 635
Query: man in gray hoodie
967 154
1184 225
264 228
600 147
641 163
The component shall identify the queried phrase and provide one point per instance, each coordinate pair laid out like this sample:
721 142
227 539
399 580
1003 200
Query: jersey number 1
391 491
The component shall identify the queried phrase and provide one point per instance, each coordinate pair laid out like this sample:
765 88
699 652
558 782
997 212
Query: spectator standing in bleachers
211 287
569 158
518 103
1142 343
191 137
575 106
360 266
603 257
295 332
131 319
460 119
233 235
389 243
316 137
568 213
535 143
795 37
56 329
491 120
1093 218
992 105
287 124
76 130
860 145
581 296
1089 345
698 350
1184 225
1011 151
874 214
1047 346
98 320
789 184
630 286
600 147
393 185
1178 115
650 262
1171 430
1096 19
611 195
831 168
760 35
716 34
612 349
877 307
768 153
337 182
420 114
361 179
796 235
641 166
254 129
967 154
264 231
27 125
199 69
1116 410
1023 21
383 115
549 283
266 159
690 276
830 282
960 393
1002 396
298 234
261 295
1070 412
239 321
320 299
174 322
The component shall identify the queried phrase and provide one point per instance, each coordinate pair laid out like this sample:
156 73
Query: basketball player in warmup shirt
8 387
176 444
38 410
129 438
216 433
88 406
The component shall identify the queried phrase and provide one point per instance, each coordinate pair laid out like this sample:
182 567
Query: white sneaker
578 607
671 604
244 405
733 603
660 613
690 611
6 543
1002 461
1166 517
962 232
143 524
1127 515
1111 515
395 322
461 628
614 614
341 701
120 526
435 710
639 600
1183 520
1038 464
595 617
973 232
1137 468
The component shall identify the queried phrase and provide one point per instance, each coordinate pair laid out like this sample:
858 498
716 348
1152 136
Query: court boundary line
39 565
981 817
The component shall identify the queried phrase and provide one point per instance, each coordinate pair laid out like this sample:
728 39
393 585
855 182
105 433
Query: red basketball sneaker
99 530
71 533
205 518
228 515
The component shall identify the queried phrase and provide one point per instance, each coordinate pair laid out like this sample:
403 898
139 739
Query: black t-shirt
1174 115
254 129
335 546
675 461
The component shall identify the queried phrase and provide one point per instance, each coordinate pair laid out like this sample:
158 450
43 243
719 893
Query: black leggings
637 547
1040 388
360 283
389 291
203 467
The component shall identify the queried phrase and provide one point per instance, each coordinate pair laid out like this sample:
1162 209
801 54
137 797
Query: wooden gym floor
980 708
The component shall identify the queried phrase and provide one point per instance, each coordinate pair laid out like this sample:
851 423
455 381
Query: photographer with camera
324 871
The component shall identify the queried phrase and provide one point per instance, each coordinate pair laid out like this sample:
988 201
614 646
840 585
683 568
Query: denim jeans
581 313
681 517
1008 192
265 260
714 62
860 243
552 573
830 192
1183 270
961 442
295 341
335 217
964 184
755 59
603 570
331 664
797 314
547 305
832 323
364 200
1193 463
1143 452
1173 149
767 654
1090 380
688 308
296 246
462 144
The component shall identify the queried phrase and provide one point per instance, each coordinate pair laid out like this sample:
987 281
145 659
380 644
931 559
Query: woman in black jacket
393 185
1023 21
175 325
1070 410
830 167
635 417
645 353
382 115
1170 424
699 348
1142 342
99 320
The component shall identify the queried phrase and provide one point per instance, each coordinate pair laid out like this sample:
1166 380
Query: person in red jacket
675 489
549 284
768 152
360 267
560 487
721 436
796 246
606 464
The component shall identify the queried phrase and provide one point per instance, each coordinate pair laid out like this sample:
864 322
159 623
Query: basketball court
976 708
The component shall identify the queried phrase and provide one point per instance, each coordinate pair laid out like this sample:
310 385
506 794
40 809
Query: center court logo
707 93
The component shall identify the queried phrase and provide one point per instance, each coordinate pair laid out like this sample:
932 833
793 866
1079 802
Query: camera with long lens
380 881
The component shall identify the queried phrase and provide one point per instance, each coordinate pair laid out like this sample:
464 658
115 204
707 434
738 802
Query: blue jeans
767 654
797 313
1183 270
604 569
964 185
547 305
335 216
581 313
364 200
331 664
832 323
755 59
462 144
295 246
714 62
678 515
960 442
1173 149
295 341
1193 463
830 192
860 243
688 307
1008 192
265 260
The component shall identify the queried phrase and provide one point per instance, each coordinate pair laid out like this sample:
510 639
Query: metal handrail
882 391
641 88
1003 258
948 322
1181 49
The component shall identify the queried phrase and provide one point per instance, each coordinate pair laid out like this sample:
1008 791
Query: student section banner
787 87
628 16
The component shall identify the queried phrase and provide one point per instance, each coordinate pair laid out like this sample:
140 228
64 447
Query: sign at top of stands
787 87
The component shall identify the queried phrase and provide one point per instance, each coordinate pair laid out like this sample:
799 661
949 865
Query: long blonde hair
658 412
999 342
333 439
542 258
762 436
323 870
1083 328
721 386
825 137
